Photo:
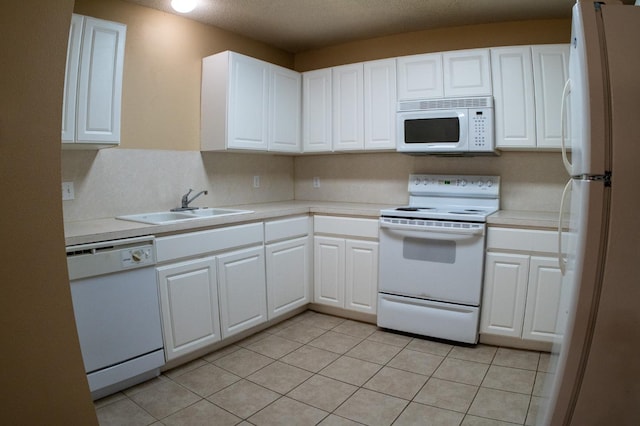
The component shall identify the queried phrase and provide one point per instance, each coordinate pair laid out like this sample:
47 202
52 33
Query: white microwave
458 126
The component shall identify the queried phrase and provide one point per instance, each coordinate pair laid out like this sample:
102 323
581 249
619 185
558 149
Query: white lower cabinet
542 314
522 285
288 271
242 287
346 269
189 303
288 263
211 284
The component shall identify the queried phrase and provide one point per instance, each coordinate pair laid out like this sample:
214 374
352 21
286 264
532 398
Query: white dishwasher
115 302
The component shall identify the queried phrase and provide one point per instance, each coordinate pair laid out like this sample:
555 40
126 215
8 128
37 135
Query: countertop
95 230
524 219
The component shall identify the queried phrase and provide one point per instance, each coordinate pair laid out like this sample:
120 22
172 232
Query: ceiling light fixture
183 6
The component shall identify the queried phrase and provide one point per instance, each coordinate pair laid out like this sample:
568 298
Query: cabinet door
543 299
288 275
284 119
248 103
348 107
189 302
550 73
420 77
380 104
100 81
467 73
242 288
316 110
514 105
361 279
71 80
504 295
328 271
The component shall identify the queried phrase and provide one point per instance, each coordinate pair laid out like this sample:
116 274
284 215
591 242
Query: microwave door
432 131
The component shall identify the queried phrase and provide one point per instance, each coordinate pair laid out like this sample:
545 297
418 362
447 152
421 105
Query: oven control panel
455 185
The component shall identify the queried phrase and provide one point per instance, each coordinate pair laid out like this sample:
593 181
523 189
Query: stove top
450 197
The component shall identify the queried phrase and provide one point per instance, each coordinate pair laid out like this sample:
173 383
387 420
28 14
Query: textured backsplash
113 182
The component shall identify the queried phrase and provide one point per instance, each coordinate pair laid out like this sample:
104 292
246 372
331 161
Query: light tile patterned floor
319 369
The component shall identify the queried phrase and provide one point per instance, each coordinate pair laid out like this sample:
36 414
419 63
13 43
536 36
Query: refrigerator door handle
562 261
563 127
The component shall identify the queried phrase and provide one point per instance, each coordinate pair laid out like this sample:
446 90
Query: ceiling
299 25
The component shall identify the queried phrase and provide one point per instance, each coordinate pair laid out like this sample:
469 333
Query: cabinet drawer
196 243
355 227
286 228
529 240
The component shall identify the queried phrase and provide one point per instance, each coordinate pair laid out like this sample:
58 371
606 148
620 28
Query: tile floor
320 369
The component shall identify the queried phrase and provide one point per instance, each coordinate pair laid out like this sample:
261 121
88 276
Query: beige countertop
90 231
95 230
524 219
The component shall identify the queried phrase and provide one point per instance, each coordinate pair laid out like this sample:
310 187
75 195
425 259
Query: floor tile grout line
360 339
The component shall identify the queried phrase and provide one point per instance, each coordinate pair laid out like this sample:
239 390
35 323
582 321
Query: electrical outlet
316 182
67 191
256 181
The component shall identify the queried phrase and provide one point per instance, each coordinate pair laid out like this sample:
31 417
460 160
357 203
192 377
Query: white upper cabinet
316 110
248 104
348 107
514 105
93 83
380 96
528 83
550 72
284 110
467 73
420 77
459 73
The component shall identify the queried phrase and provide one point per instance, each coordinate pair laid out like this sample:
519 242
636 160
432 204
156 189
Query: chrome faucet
184 204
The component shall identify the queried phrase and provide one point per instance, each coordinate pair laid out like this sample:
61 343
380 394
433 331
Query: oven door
433 131
443 262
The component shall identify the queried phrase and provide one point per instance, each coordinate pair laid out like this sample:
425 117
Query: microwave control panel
481 129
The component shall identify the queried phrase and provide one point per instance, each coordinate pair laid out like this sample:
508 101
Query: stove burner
414 209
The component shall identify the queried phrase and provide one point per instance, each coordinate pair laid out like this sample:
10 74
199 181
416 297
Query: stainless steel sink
167 218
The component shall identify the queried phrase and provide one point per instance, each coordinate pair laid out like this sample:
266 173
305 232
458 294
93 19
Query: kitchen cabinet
350 107
420 77
460 73
523 295
380 94
467 73
346 263
528 83
242 287
92 99
189 306
316 110
211 285
249 104
288 264
550 73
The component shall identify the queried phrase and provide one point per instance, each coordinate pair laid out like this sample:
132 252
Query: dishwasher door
117 311
117 317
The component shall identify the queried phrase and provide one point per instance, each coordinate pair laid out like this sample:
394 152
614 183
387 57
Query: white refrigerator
596 364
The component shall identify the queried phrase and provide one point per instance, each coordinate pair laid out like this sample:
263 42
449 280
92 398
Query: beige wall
42 375
438 40
162 68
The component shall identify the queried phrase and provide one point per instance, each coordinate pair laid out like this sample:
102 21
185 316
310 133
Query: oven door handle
425 231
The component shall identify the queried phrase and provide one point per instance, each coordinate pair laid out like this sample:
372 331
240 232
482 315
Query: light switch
67 191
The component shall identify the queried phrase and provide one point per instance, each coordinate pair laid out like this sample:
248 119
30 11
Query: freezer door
586 95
